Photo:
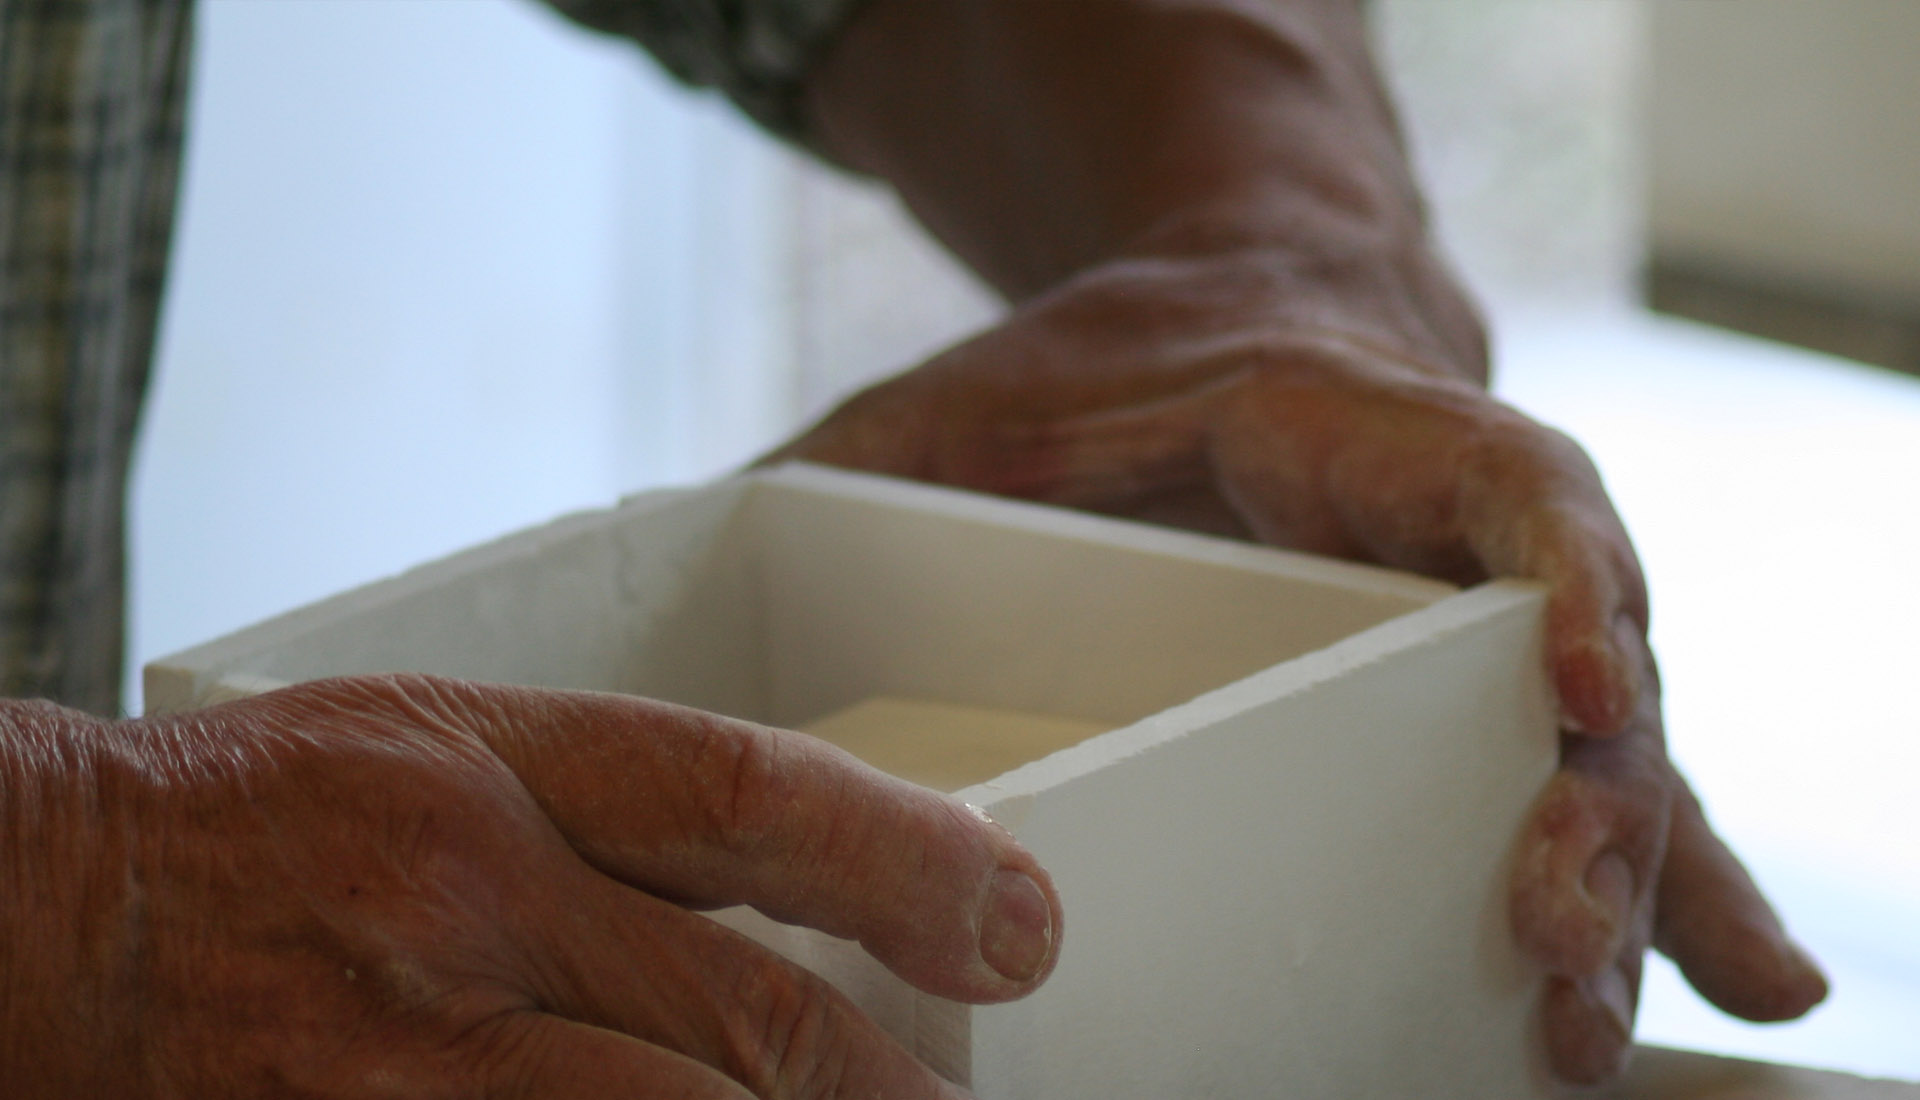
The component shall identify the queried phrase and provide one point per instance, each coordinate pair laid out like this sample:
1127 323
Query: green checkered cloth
91 97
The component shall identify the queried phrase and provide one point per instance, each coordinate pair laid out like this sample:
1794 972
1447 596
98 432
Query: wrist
1044 142
66 907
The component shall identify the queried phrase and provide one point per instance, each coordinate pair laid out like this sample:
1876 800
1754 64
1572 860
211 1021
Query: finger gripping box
1278 794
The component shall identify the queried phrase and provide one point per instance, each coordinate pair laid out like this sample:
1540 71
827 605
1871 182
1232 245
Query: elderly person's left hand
407 886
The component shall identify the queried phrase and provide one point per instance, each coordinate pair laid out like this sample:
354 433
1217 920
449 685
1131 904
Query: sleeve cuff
758 52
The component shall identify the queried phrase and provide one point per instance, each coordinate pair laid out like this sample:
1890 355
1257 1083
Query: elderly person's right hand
1227 313
417 887
1180 392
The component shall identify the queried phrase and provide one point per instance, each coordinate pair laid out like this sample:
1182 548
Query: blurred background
446 270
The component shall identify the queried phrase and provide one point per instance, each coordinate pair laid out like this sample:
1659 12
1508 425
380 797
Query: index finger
709 810
1545 515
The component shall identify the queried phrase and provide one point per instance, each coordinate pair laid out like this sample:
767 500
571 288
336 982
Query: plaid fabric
90 98
756 51
91 94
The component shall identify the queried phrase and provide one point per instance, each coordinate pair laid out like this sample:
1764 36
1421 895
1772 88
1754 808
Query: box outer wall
1141 781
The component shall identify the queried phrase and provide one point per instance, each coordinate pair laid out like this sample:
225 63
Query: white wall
442 270
1786 145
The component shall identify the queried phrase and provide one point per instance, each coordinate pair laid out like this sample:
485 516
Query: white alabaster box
1283 868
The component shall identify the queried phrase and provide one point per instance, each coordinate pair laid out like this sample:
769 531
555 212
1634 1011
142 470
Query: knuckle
388 708
1562 447
1632 808
1504 447
776 803
791 1039
433 702
751 798
504 1057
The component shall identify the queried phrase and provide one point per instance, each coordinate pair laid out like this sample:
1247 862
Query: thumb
707 811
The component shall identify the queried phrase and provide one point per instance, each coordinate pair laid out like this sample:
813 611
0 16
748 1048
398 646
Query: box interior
785 597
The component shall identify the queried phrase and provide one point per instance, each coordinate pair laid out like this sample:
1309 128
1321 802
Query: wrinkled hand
1167 390
1619 857
415 888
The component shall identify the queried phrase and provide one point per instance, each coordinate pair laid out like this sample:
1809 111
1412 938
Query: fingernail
1016 929
1611 992
1605 690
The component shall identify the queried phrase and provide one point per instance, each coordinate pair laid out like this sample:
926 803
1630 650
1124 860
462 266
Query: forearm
1039 139
64 912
